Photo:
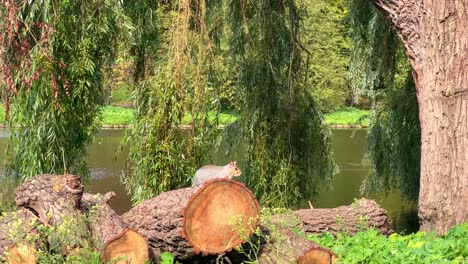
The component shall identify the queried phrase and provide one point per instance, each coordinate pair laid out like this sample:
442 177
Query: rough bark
109 233
435 37
50 196
15 227
104 223
361 215
287 247
196 219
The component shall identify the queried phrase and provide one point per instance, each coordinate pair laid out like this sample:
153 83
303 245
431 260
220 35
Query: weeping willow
380 69
52 54
162 156
288 147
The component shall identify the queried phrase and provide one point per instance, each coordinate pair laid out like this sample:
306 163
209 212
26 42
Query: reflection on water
349 145
349 148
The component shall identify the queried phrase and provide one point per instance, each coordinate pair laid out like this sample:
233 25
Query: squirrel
209 172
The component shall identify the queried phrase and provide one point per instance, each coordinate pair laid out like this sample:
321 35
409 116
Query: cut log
14 228
110 234
21 254
361 215
209 219
103 222
285 246
318 255
126 248
50 196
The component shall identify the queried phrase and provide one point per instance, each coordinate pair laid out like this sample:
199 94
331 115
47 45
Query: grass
115 115
349 116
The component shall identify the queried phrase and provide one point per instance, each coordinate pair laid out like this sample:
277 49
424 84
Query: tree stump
126 248
361 215
209 219
110 234
50 196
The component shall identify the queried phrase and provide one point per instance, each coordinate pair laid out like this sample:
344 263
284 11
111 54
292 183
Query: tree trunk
286 247
361 215
103 222
435 37
209 219
110 234
50 196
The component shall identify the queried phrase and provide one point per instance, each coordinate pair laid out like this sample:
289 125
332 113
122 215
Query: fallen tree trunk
103 222
209 219
361 215
109 233
50 196
286 247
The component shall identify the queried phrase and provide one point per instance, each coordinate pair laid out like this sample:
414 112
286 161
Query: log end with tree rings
128 247
318 255
220 216
21 254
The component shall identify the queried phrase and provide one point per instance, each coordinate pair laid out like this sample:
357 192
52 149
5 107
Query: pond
349 146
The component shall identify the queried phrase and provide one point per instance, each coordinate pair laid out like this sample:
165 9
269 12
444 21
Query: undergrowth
420 247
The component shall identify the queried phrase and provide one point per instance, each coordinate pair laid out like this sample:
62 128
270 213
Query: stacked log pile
192 223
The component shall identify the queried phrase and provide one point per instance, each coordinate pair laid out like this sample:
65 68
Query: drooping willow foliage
162 156
147 24
380 69
288 155
52 53
288 147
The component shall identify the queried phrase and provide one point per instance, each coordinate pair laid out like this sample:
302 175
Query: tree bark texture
104 223
435 37
110 235
361 215
201 219
50 196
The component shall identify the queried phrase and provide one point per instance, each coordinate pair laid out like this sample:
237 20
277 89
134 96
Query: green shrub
370 247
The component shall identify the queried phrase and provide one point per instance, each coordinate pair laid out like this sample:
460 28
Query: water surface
106 166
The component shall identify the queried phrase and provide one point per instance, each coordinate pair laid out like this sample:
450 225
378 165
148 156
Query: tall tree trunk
435 34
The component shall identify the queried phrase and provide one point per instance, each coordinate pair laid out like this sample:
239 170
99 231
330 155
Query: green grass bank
116 115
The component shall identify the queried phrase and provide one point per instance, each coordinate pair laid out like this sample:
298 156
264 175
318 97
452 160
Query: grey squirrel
209 172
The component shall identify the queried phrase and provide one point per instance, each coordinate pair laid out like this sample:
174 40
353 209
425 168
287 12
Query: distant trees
325 34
